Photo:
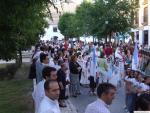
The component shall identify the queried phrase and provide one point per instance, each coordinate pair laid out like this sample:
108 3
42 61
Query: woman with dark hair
143 102
74 76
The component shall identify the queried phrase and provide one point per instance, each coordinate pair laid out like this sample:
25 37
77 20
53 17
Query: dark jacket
74 67
61 77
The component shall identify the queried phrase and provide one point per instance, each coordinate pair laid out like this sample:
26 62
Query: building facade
142 21
70 6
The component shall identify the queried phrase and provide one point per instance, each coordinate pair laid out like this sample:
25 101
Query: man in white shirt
49 104
39 93
106 93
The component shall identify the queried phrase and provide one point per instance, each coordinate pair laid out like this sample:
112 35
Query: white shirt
51 63
38 94
144 87
126 78
98 106
37 55
49 106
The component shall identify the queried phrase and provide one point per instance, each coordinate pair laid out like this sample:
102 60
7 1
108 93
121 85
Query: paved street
83 100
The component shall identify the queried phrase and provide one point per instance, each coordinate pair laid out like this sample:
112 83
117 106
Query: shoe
62 106
78 93
66 97
74 96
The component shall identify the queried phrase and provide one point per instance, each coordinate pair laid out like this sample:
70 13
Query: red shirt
108 51
66 45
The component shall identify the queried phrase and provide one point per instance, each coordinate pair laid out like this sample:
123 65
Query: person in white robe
109 68
119 56
93 62
85 74
102 68
115 78
93 70
38 93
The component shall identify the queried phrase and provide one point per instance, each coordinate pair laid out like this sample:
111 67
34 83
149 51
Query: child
115 78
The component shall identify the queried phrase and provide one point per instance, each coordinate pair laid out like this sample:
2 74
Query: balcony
145 2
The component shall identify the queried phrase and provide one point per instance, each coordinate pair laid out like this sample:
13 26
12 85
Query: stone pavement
70 108
80 103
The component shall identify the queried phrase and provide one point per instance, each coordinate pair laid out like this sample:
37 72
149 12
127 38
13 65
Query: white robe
109 70
121 63
85 73
102 69
115 77
93 65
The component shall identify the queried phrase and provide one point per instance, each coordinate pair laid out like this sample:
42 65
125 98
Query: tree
67 25
84 18
102 18
114 16
22 22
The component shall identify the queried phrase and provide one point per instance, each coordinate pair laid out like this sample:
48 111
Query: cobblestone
69 109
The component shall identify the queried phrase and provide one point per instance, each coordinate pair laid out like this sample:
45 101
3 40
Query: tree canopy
22 22
68 25
103 18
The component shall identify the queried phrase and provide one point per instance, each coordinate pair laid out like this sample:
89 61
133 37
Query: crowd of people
61 69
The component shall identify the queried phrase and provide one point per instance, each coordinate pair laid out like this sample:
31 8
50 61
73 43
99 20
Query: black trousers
80 74
62 94
92 83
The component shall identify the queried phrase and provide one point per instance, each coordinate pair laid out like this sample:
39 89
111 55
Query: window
145 15
55 37
145 37
137 35
54 29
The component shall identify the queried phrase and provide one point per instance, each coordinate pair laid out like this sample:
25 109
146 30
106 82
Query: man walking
106 93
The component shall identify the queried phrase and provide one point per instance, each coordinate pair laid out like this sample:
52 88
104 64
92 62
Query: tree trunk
20 57
109 37
17 61
106 39
93 39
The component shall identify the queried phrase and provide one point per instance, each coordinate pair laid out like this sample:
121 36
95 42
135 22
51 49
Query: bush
8 72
